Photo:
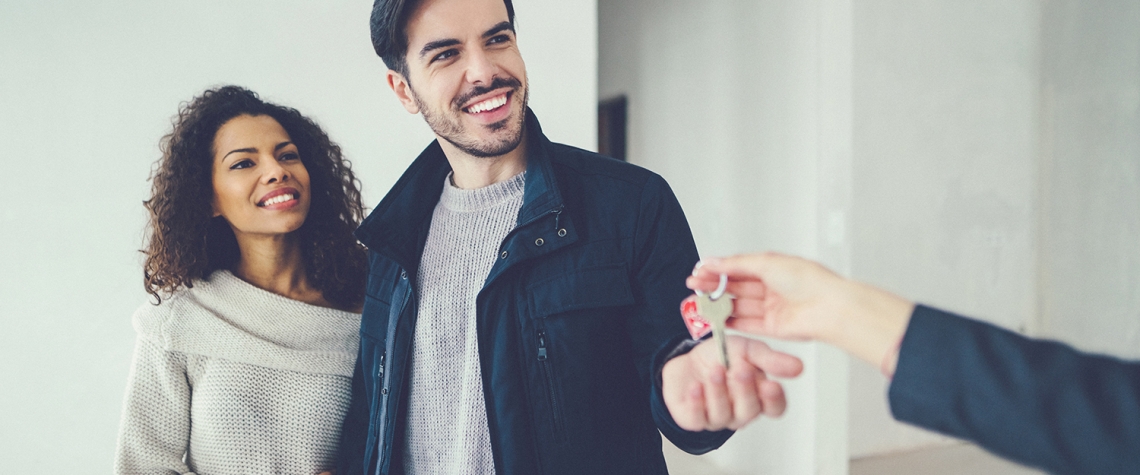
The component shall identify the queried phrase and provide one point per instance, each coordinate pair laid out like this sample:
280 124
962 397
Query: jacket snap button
504 255
539 242
404 274
384 391
562 232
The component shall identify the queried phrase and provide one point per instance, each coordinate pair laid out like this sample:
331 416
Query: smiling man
522 311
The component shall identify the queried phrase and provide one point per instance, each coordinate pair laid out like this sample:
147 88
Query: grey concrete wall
1089 289
945 166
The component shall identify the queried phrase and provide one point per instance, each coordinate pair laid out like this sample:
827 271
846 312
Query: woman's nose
274 172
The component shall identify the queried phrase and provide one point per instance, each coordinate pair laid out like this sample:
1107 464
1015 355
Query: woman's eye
246 163
289 156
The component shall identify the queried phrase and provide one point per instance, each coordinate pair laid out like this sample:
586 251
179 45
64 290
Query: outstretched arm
791 298
1037 402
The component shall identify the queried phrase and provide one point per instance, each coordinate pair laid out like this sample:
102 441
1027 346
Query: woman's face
260 185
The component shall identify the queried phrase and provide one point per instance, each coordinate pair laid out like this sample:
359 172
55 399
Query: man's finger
742 387
772 397
687 406
772 362
718 407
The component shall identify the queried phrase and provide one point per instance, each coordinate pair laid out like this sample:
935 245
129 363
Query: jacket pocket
546 369
590 287
566 313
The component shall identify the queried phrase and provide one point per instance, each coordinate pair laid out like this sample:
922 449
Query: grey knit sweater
231 379
447 416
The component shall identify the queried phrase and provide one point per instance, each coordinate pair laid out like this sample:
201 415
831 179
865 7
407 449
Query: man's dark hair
389 30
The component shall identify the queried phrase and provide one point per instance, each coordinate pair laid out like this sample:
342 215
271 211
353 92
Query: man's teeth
489 104
278 199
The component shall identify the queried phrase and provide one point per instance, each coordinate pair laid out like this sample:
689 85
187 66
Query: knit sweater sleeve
155 428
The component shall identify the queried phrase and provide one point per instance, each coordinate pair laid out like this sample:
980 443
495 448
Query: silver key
716 307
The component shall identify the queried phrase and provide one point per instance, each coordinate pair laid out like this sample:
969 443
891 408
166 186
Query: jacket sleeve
664 255
354 431
155 429
1040 403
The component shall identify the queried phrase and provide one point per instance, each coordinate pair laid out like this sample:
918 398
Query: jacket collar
397 227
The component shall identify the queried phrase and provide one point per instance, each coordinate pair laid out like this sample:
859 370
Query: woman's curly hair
187 243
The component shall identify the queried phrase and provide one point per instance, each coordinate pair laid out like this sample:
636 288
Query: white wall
86 91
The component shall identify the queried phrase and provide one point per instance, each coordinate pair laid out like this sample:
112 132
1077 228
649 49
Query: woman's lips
282 198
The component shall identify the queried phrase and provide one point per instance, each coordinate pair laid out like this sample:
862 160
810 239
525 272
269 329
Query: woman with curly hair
244 362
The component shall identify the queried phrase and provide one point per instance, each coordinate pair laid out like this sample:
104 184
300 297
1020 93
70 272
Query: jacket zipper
381 459
552 397
377 403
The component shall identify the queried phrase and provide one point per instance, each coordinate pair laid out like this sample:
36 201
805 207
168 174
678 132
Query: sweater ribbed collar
461 200
226 317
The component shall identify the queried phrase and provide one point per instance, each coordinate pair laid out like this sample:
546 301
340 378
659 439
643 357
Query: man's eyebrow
437 44
506 25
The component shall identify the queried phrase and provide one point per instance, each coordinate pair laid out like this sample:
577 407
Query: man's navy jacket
574 320
1037 402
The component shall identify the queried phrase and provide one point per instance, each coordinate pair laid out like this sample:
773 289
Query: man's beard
446 124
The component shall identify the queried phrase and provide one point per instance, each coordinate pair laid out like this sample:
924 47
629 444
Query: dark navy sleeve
1040 403
664 256
354 431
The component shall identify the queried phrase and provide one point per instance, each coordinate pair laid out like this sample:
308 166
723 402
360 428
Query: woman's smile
281 198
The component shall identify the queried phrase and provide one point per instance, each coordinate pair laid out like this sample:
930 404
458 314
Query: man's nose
481 69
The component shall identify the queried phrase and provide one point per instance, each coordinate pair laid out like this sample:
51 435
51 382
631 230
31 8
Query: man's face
465 74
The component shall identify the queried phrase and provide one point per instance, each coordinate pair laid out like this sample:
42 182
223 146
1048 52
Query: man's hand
701 396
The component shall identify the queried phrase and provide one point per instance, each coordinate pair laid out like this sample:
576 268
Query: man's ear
403 90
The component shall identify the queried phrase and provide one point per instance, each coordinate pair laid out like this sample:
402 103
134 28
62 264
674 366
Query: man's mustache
477 91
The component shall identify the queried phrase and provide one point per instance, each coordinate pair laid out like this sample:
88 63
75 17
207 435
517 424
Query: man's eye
444 55
498 39
246 163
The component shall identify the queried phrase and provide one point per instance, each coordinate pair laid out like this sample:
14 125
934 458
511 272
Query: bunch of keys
709 311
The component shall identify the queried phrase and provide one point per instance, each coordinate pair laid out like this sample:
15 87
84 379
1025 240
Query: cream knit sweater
230 379
447 430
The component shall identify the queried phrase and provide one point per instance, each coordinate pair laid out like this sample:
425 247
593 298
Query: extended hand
701 396
792 298
779 296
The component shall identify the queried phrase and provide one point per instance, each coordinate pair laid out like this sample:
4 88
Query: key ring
719 288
